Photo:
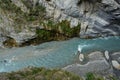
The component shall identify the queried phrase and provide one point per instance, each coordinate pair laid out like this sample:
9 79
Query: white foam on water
82 46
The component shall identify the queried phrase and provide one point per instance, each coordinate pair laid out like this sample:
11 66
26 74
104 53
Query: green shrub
90 76
64 25
37 12
8 5
42 74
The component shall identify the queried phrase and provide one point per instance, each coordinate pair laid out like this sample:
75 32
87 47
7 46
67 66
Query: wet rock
115 64
81 57
107 55
97 55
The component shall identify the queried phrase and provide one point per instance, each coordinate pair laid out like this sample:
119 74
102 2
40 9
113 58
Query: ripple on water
53 54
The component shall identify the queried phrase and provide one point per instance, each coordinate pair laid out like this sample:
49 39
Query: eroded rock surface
99 19
99 64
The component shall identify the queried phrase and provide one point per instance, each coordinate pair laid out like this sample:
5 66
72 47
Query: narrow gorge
44 38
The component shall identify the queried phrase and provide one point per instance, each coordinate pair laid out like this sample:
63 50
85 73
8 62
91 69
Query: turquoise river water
55 54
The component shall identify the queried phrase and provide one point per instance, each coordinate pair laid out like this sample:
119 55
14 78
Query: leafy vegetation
8 5
10 42
40 74
53 32
22 19
45 34
36 13
91 76
62 27
67 30
34 73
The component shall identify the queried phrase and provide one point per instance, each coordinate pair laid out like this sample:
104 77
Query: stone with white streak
81 57
115 64
107 55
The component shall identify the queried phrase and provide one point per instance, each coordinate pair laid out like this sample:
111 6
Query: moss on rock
10 42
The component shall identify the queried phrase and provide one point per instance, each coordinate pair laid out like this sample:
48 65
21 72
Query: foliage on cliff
35 13
53 32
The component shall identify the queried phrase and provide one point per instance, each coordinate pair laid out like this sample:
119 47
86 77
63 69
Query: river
55 54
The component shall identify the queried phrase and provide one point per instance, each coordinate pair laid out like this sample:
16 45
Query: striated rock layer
97 17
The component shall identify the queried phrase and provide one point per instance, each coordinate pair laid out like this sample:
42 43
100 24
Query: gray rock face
8 27
97 19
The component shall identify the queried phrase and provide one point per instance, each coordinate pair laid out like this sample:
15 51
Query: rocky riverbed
98 62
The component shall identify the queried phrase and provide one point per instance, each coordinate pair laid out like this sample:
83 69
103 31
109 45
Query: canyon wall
97 17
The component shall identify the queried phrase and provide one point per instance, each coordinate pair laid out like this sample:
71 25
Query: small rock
107 55
115 64
81 57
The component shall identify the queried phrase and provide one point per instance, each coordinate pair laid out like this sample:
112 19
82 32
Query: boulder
115 64
107 55
81 57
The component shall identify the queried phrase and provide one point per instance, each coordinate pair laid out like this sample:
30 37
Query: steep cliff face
19 19
12 21
97 17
